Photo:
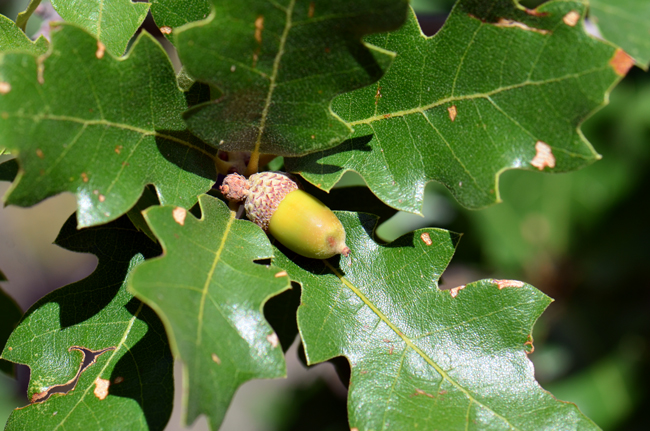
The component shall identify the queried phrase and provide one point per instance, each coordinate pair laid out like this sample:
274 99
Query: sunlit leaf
129 385
13 39
81 121
499 87
113 22
209 292
422 358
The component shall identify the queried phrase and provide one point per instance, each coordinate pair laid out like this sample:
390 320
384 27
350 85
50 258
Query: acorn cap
267 190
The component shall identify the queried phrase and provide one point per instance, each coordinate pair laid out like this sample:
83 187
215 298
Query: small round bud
235 187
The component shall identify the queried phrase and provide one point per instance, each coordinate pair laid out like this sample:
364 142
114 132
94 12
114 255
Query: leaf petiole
23 17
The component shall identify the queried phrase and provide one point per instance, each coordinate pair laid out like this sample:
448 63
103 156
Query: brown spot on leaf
39 153
310 12
165 29
101 388
40 70
101 49
216 359
621 62
179 215
281 274
118 380
426 238
101 198
273 339
5 115
84 177
529 345
452 112
504 22
454 292
508 283
386 115
5 87
354 429
377 95
544 156
572 18
10 348
535 12
118 149
421 392
259 26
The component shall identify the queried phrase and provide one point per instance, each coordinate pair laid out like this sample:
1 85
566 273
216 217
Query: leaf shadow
145 373
195 157
114 244
310 163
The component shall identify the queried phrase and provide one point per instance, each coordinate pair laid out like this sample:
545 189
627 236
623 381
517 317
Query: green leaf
95 314
114 22
10 314
210 293
626 23
491 91
422 358
170 14
81 121
13 39
279 64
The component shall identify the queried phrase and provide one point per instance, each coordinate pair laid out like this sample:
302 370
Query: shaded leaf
170 14
9 170
422 358
10 314
491 91
84 122
279 64
210 293
13 39
625 23
114 22
95 314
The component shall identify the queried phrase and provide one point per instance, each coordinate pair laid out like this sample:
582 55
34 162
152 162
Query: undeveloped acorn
298 220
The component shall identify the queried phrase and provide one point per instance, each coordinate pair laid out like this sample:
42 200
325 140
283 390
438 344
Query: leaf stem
23 17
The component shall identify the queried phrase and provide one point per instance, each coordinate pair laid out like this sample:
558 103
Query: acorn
302 223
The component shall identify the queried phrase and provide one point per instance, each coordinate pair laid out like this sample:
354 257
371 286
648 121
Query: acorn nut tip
295 218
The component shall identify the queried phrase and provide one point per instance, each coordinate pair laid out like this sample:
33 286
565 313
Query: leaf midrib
486 95
411 345
274 75
102 122
127 331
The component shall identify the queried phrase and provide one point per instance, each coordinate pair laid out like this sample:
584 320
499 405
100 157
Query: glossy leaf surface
626 23
279 64
81 121
422 358
210 293
129 385
499 87
170 14
113 22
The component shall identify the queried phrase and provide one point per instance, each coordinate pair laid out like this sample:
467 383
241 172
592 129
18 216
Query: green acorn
298 220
